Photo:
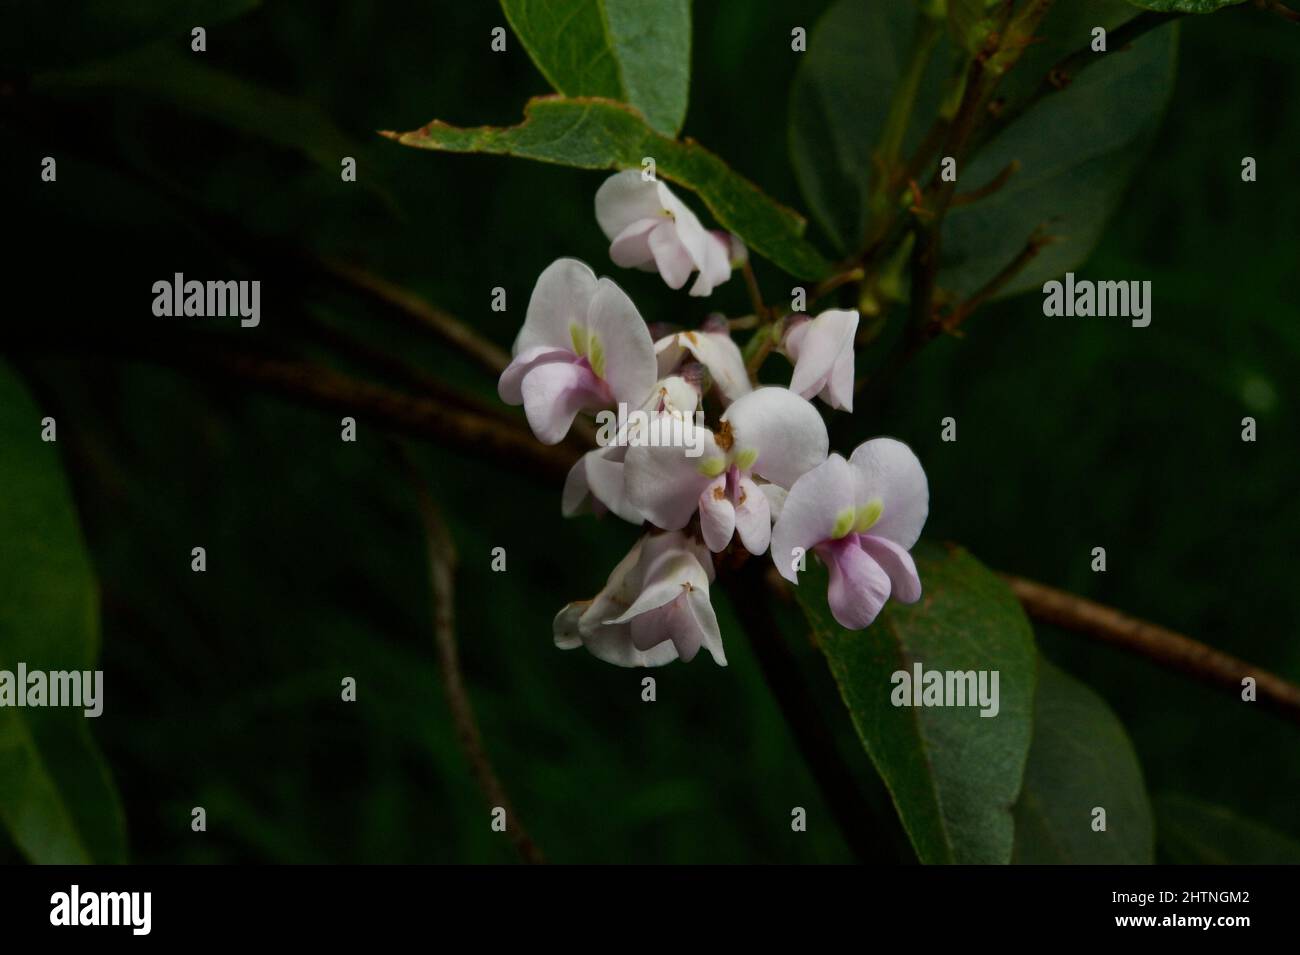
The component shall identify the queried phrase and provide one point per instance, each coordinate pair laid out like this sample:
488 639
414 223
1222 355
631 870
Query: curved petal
671 256
510 383
905 582
818 348
561 299
753 517
707 622
664 484
776 496
810 512
553 395
784 432
692 235
624 198
669 353
718 353
620 349
564 629
716 267
859 586
596 480
631 247
887 470
717 515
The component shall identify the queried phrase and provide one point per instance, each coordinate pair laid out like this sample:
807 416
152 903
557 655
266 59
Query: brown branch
993 286
413 307
442 566
1061 75
1165 647
989 188
512 447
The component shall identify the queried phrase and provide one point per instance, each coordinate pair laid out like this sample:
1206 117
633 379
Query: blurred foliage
223 688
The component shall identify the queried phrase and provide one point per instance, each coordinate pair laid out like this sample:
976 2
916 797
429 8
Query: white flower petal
783 430
664 484
561 299
620 344
888 471
810 513
625 198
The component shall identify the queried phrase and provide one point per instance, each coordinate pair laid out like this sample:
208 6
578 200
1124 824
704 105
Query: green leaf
628 50
593 133
1076 148
40 35
1193 832
857 53
1080 759
56 798
953 774
1184 6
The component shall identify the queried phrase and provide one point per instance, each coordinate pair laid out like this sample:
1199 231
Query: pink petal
753 517
818 348
905 582
810 511
717 352
887 470
859 586
631 247
664 484
553 395
510 383
786 431
716 267
671 256
717 515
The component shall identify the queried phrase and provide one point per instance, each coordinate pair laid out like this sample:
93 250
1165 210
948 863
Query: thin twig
407 303
442 568
1171 650
1060 76
989 188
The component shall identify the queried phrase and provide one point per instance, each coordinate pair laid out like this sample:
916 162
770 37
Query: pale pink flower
653 609
595 482
712 348
822 351
770 433
583 347
650 228
861 517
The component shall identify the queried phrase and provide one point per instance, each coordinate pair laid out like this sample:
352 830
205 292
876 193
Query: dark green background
223 688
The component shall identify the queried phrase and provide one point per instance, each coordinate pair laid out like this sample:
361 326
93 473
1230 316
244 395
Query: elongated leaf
1081 760
1185 6
39 35
628 50
56 798
1194 832
953 773
1076 148
593 133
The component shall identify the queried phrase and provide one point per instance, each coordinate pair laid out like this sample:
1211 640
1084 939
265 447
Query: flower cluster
760 474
